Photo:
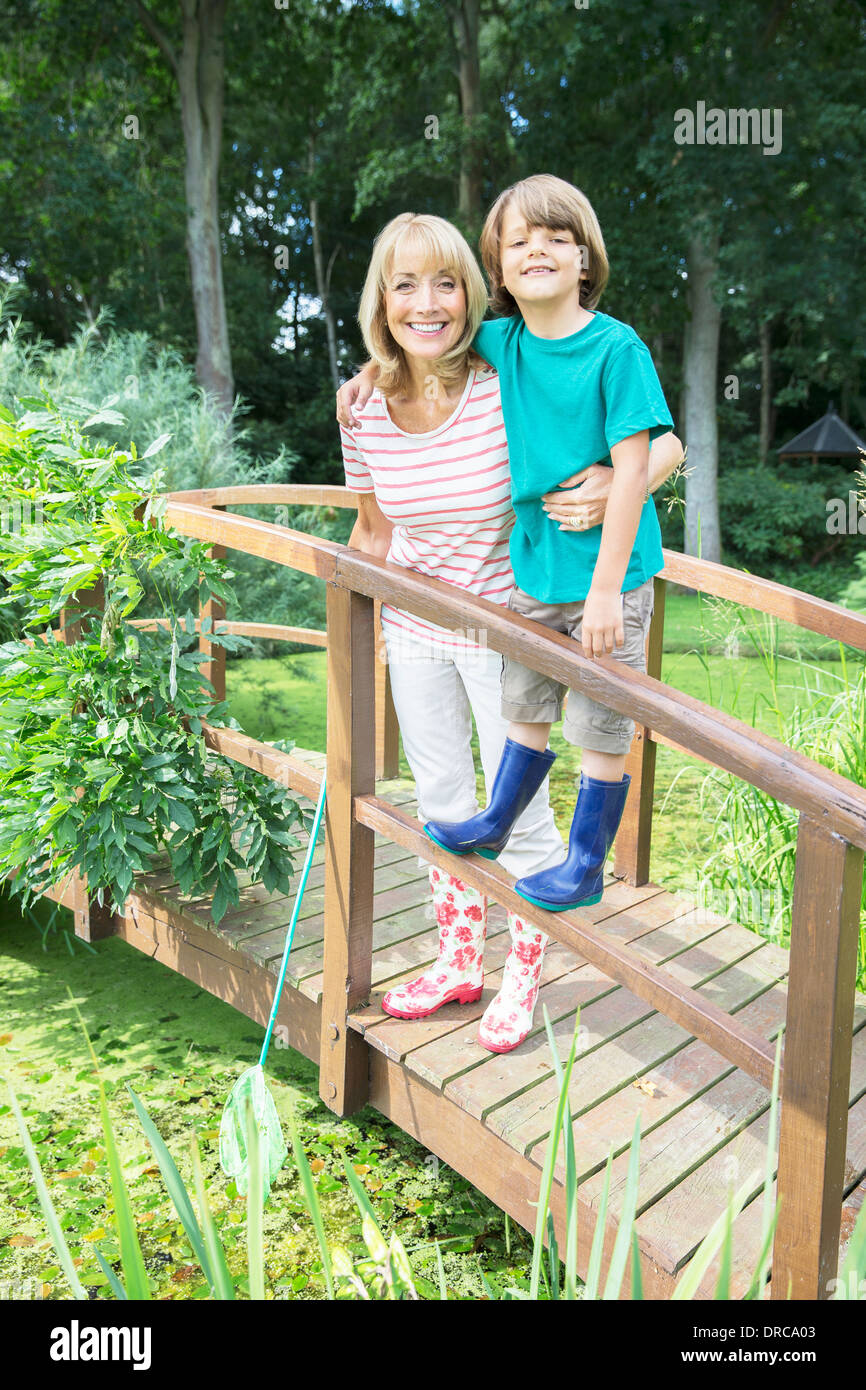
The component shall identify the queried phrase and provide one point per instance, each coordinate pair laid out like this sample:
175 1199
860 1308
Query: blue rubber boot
520 773
577 882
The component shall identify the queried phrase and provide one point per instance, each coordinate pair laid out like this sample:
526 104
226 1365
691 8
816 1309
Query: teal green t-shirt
566 402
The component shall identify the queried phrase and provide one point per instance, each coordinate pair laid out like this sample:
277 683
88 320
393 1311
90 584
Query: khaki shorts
531 698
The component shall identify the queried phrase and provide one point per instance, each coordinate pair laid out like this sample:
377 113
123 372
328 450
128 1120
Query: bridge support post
351 772
633 841
387 729
214 669
90 921
817 1062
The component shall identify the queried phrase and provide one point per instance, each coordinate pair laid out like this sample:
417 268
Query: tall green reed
813 708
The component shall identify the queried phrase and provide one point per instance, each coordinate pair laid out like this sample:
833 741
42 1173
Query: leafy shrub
102 758
771 518
151 393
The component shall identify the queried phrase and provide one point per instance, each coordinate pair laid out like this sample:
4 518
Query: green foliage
153 392
153 395
102 757
384 1271
854 593
591 94
755 836
774 519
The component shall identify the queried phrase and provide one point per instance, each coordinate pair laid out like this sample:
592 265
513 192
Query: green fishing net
250 1097
234 1156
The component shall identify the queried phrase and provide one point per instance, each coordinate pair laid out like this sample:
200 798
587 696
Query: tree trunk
465 18
700 377
200 73
200 79
766 392
322 287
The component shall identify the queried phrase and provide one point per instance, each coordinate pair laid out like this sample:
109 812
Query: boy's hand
602 627
578 503
354 394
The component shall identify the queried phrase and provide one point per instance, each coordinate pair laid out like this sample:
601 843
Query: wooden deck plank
704 1126
399 913
505 1076
614 1051
367 1020
269 918
449 1057
398 1036
672 1086
747 1226
526 1118
673 1226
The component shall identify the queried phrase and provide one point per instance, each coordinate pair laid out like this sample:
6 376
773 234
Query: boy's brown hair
546 201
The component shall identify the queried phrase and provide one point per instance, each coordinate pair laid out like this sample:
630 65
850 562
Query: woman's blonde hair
545 201
443 248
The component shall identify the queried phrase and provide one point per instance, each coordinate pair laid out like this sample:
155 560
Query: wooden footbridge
679 1008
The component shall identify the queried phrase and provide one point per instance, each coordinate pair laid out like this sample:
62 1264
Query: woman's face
425 308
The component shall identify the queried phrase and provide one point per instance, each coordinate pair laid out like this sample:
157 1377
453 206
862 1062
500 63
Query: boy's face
539 263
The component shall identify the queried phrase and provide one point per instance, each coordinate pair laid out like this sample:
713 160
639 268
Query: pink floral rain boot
458 972
508 1018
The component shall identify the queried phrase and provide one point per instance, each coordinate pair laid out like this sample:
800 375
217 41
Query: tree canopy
164 157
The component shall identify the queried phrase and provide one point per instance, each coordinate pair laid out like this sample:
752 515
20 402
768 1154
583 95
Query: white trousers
435 696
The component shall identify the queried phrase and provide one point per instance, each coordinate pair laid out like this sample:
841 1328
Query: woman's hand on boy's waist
579 502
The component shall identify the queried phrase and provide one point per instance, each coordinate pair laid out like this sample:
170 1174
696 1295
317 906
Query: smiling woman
430 461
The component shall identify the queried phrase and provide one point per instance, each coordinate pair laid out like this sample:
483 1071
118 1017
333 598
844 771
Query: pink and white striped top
448 493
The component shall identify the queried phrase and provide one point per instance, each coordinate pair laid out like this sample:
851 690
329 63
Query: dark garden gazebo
827 438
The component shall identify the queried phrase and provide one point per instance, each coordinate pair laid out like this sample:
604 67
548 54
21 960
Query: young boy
578 387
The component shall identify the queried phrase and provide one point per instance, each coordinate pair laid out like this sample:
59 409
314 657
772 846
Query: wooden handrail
289 494
289 771
294 549
765 595
789 776
747 590
830 799
275 632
